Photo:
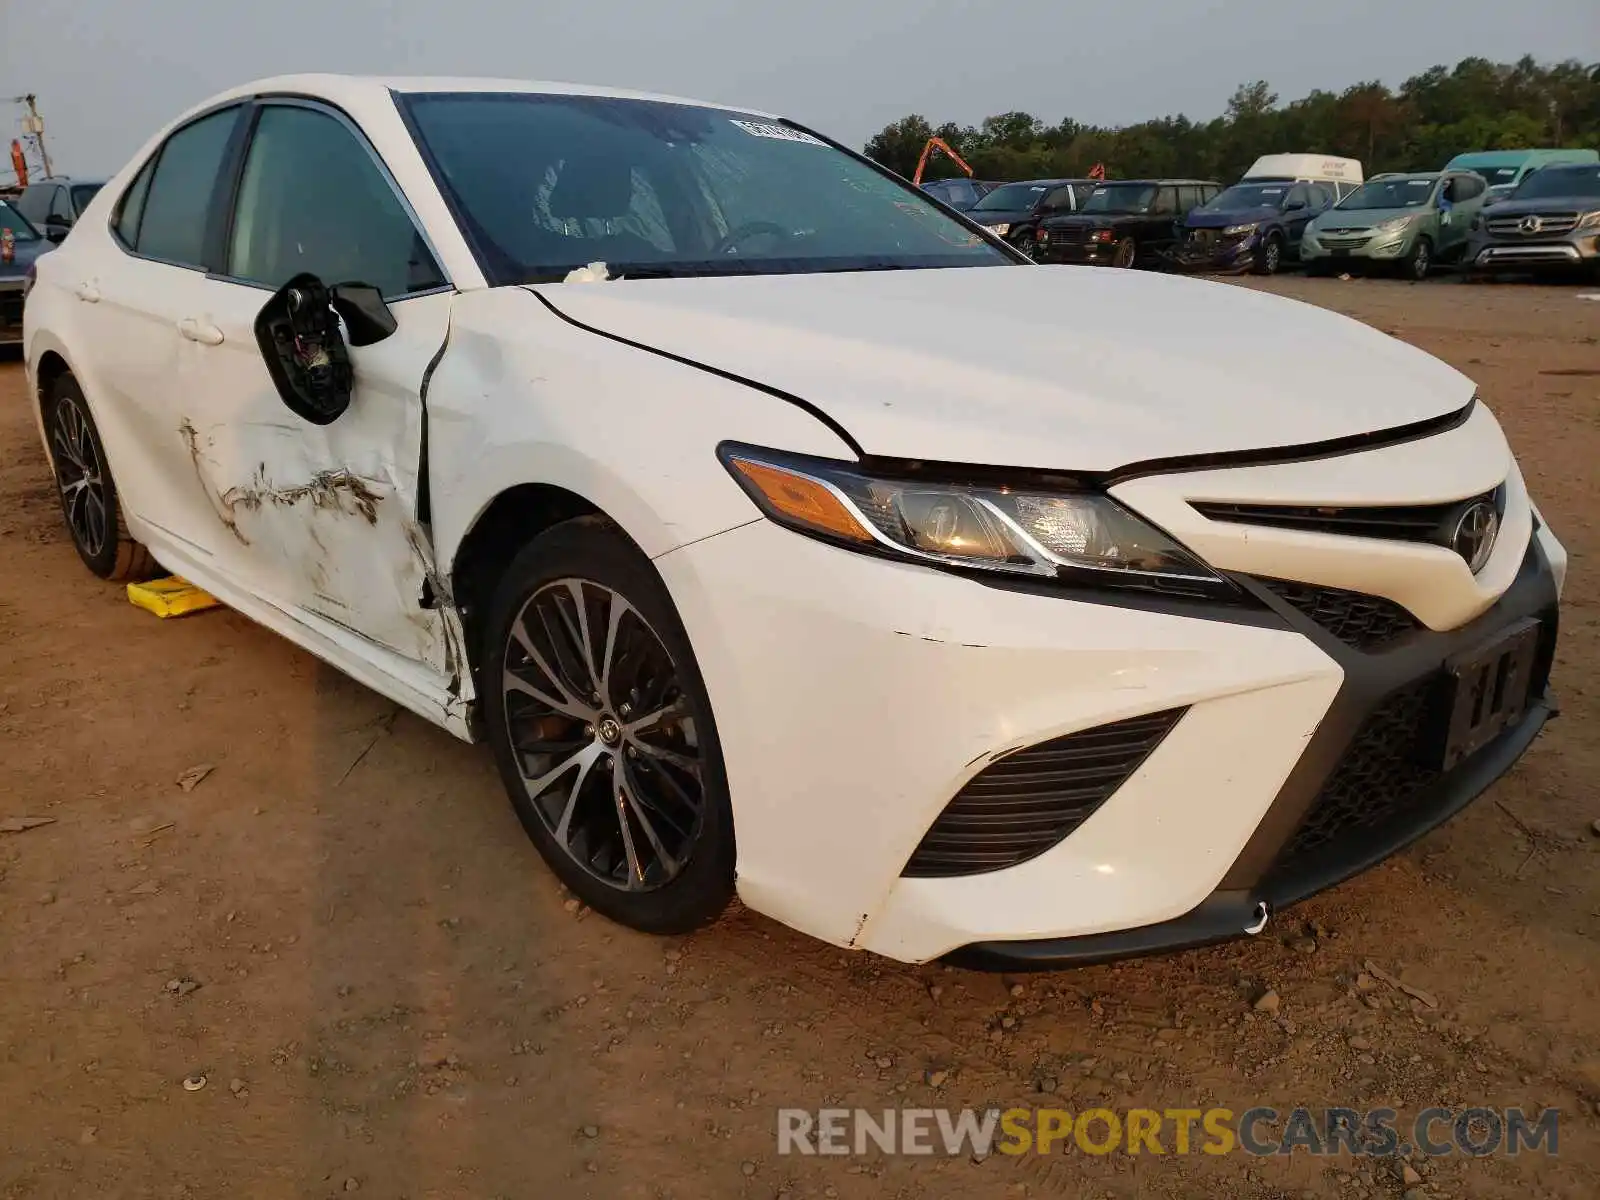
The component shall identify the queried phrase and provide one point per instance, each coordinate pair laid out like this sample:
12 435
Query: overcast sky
109 72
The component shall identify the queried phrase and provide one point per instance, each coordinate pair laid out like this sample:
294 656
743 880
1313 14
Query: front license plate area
1340 253
1488 691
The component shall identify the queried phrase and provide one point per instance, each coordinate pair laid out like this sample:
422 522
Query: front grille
1406 523
1355 618
1026 802
1345 243
1553 224
1379 774
1069 235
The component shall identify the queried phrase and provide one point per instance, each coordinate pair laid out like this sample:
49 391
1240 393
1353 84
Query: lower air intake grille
1023 804
1406 523
1356 619
1378 775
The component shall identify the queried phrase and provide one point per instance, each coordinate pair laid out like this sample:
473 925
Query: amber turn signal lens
802 500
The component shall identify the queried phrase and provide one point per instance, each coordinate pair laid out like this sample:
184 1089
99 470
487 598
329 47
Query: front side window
545 183
1468 187
1059 198
1318 196
61 207
313 200
173 225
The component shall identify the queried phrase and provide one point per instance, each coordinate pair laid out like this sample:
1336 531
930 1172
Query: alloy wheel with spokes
603 735
81 477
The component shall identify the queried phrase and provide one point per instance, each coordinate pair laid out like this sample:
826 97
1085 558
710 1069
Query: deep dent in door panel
334 513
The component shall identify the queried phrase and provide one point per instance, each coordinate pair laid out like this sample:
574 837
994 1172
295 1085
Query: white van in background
1343 175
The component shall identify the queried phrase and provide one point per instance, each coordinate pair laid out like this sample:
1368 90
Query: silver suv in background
1551 222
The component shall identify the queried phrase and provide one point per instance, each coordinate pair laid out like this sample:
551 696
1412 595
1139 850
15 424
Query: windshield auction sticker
778 133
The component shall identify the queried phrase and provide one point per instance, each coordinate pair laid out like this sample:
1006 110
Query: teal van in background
1513 166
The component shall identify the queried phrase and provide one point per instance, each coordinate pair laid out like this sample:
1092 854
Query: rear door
325 521
134 285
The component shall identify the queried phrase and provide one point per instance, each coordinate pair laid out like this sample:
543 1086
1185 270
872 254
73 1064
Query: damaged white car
782 531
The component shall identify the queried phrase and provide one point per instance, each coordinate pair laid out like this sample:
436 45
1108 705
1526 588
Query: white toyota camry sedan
783 532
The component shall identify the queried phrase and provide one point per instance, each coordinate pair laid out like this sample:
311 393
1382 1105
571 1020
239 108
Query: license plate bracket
1488 690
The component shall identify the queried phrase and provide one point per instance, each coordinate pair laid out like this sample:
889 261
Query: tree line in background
1478 105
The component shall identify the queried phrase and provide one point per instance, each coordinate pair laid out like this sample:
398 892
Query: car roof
356 90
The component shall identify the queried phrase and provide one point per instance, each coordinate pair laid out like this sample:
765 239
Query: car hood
1231 216
25 254
998 216
1049 367
1363 218
1515 208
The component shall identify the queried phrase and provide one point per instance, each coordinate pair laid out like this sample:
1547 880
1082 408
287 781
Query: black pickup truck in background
1123 223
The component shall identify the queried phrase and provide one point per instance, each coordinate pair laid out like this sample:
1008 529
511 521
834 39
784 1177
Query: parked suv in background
1406 221
1126 223
26 245
1552 221
1013 210
1251 227
959 193
54 205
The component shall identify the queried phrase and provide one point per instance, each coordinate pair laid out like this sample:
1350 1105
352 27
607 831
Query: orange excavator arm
935 143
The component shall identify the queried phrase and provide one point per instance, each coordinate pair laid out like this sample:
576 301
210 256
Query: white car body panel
854 695
1060 368
929 678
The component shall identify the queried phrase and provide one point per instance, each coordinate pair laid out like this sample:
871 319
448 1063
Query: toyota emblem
1531 223
1475 534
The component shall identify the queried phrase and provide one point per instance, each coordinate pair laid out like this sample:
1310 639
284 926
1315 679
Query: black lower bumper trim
1227 915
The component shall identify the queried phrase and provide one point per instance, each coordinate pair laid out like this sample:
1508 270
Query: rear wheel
88 493
1125 254
603 733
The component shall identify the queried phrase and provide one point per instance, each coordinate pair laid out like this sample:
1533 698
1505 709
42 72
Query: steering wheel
746 231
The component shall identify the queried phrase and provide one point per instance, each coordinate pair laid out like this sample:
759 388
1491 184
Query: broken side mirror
367 317
297 332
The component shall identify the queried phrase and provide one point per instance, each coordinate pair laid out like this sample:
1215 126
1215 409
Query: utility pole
33 125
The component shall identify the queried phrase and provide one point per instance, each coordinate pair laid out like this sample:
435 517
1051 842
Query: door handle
203 332
88 292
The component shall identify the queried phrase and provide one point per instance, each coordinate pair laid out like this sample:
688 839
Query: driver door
321 521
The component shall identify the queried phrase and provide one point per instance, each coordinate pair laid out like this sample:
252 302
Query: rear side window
131 210
1166 202
173 225
1188 198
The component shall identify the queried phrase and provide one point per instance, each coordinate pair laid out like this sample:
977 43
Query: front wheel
1125 254
1419 262
603 732
1269 260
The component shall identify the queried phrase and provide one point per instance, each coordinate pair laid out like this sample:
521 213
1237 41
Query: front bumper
1568 254
1377 247
1273 872
1093 254
855 697
1218 253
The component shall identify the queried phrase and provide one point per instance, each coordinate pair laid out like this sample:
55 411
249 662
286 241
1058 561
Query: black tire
88 493
689 887
1023 243
1125 254
1269 260
1419 262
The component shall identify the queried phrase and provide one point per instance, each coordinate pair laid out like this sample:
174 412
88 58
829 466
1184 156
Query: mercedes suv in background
1551 223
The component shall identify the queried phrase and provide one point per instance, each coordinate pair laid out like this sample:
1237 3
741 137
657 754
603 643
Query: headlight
1394 224
1001 229
1079 536
1588 221
1251 227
